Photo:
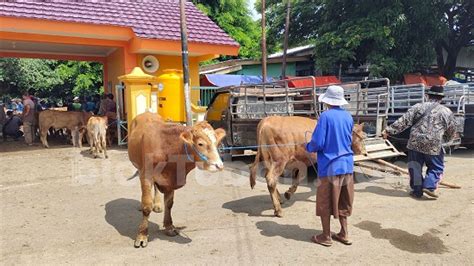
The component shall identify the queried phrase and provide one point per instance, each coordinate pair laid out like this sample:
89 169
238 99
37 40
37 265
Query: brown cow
281 142
163 155
74 121
96 135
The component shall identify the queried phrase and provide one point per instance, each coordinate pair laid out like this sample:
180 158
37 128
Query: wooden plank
378 147
376 155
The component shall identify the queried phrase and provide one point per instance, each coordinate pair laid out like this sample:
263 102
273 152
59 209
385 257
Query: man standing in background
28 118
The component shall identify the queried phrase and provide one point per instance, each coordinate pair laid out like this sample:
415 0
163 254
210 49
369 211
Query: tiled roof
157 19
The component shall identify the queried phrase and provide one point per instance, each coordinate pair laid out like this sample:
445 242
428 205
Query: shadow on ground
256 205
426 243
400 193
124 215
288 231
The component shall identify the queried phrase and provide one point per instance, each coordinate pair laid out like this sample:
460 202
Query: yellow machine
163 94
171 96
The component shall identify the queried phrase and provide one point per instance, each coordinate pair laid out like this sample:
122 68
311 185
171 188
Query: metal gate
122 130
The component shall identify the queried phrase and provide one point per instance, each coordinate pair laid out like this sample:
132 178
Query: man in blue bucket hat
332 140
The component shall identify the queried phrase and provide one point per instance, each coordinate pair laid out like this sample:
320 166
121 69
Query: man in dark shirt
12 126
430 123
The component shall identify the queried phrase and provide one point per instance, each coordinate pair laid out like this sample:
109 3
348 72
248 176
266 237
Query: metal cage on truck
459 98
239 109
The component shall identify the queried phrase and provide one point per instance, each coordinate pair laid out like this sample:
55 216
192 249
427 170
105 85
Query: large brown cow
163 155
96 135
74 121
281 142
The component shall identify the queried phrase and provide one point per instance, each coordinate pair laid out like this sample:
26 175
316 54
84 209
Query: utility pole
184 52
264 45
285 41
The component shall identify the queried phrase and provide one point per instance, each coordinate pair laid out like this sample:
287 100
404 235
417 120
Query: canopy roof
218 80
159 19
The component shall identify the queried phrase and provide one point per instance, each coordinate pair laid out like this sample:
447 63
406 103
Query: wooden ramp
378 148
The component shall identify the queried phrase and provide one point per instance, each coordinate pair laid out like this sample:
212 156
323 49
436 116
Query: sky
255 15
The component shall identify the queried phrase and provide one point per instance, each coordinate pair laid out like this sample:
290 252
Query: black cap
436 90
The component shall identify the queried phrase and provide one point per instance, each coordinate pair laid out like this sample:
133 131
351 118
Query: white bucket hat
334 96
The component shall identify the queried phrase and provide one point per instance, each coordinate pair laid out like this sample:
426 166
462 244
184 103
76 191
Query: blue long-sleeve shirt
332 140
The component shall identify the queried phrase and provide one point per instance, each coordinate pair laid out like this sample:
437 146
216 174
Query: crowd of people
19 118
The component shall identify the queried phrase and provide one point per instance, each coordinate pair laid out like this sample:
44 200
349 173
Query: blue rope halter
202 156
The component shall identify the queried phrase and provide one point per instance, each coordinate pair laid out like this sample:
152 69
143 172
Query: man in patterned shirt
431 123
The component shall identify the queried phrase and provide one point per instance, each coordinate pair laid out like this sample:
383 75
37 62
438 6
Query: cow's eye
200 144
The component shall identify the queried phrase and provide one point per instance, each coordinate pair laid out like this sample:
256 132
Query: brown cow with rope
281 142
164 154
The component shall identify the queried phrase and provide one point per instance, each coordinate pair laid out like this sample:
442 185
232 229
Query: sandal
337 238
326 243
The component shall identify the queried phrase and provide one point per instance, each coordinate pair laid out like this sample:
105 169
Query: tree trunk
285 40
264 44
450 65
439 57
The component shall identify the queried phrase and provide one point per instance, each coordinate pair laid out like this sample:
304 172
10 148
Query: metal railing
405 96
205 94
274 98
368 102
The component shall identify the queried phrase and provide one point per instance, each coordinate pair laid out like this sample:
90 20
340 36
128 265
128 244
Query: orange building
117 34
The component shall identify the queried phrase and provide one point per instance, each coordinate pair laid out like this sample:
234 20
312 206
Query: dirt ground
60 206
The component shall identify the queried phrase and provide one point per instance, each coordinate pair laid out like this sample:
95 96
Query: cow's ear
187 137
220 134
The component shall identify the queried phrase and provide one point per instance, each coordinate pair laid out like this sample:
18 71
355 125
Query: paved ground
61 206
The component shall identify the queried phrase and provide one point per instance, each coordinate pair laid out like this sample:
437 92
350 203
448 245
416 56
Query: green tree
49 78
456 32
394 36
234 17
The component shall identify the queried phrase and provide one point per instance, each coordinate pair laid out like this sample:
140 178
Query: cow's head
358 136
203 141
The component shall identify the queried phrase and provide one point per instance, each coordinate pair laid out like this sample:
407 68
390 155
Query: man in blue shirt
332 140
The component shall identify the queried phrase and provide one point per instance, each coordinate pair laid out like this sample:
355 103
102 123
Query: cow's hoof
287 195
141 241
157 209
106 157
172 231
278 214
95 156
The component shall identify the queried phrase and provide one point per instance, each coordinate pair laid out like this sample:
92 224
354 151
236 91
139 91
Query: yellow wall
174 62
116 68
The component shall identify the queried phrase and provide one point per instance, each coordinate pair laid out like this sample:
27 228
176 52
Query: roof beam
66 29
52 56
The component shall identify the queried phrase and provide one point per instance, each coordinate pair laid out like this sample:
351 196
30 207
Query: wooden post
285 40
405 171
264 44
184 52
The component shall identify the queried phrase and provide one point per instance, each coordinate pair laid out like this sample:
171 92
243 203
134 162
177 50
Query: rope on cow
202 156
259 146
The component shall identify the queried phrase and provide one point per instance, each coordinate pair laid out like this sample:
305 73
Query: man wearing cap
332 140
431 123
76 105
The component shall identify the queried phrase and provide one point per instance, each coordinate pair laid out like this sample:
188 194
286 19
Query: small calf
96 135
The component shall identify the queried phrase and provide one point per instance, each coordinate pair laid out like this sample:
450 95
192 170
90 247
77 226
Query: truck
458 97
239 109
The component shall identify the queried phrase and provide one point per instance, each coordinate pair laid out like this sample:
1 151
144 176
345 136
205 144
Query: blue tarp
223 80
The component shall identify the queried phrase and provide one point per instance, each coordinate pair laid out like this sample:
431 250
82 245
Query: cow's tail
133 176
254 166
253 170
